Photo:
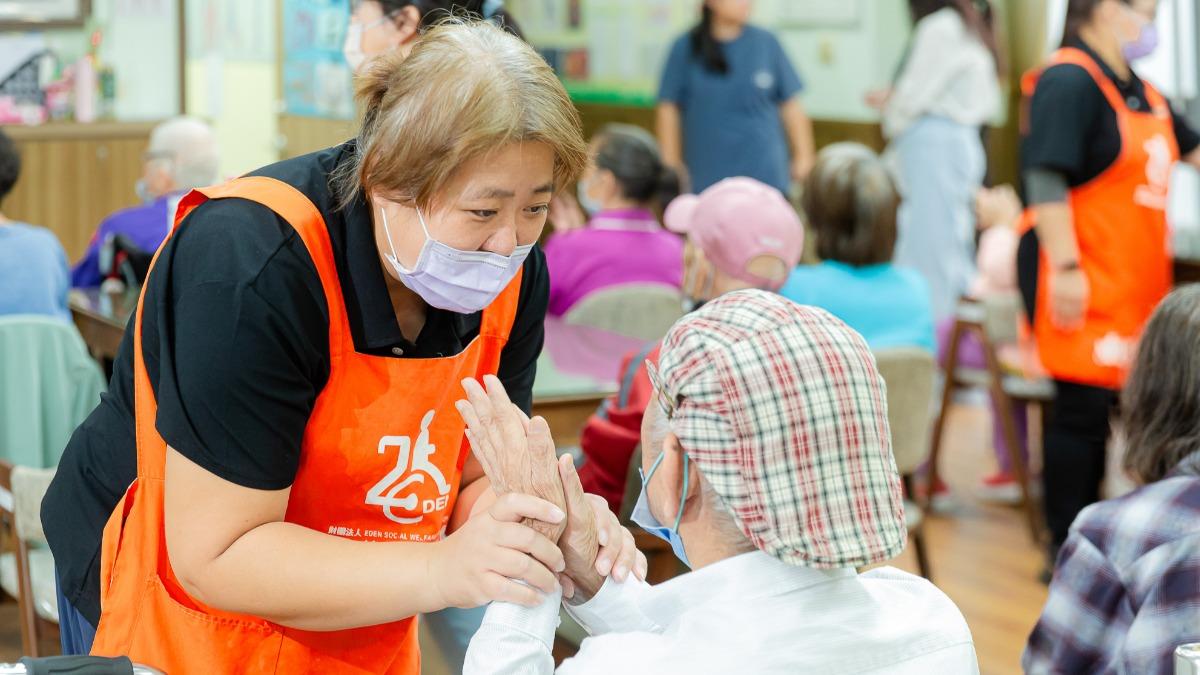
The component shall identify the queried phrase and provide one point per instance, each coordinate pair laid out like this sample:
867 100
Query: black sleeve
1185 134
518 361
1062 116
245 351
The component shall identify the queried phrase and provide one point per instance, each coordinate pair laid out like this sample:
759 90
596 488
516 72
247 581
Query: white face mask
143 191
589 205
457 281
352 49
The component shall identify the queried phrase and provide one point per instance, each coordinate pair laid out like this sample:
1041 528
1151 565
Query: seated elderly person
768 467
851 201
1125 591
741 234
182 155
33 266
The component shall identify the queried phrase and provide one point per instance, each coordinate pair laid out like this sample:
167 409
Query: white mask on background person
589 205
143 191
454 280
352 49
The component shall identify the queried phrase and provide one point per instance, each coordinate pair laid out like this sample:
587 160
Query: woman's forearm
799 128
301 578
670 134
1056 234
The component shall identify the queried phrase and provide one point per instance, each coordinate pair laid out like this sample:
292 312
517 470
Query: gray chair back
909 373
642 311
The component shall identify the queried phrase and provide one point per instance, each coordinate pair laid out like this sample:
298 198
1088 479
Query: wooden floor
981 557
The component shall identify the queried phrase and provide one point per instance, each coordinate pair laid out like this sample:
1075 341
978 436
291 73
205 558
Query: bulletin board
316 79
605 51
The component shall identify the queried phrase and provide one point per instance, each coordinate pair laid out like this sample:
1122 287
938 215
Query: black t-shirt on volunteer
237 349
1072 127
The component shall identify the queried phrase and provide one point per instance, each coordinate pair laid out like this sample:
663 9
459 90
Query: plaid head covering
783 411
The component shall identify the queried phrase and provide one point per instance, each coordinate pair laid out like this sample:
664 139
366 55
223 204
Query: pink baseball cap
736 221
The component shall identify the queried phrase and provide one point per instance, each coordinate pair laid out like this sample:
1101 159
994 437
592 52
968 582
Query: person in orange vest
1099 146
278 480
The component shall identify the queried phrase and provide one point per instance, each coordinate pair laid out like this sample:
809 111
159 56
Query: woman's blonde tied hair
468 88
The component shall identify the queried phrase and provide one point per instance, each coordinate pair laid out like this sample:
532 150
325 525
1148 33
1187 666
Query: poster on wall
36 13
605 51
316 80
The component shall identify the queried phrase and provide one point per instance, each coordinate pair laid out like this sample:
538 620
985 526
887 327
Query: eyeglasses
669 403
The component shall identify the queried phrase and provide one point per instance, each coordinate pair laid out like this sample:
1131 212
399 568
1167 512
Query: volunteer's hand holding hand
1069 295
513 460
486 558
594 543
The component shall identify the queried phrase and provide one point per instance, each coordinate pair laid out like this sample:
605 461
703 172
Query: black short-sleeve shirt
235 335
1073 128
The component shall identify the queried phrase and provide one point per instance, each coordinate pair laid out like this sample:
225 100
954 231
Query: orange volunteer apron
1120 223
381 460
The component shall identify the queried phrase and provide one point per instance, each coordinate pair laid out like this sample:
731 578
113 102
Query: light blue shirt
887 305
34 278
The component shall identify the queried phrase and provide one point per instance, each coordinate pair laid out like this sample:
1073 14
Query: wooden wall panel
73 175
302 135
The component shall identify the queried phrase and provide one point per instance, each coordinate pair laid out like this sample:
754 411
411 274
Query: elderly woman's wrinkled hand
513 459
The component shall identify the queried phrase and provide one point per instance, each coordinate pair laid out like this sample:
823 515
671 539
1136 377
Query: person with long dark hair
729 103
1098 151
1124 593
945 90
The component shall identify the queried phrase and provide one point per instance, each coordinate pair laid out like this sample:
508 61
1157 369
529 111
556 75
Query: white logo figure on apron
409 473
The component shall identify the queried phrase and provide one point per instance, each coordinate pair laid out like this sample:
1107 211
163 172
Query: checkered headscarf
783 411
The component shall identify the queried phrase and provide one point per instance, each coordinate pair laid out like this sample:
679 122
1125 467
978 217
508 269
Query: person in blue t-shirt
33 267
851 201
729 104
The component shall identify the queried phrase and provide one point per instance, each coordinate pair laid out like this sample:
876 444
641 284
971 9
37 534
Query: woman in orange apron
1098 152
278 480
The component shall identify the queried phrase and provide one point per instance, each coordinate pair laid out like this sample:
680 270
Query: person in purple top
182 155
623 243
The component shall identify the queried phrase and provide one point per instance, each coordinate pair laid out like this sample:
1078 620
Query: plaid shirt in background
1126 588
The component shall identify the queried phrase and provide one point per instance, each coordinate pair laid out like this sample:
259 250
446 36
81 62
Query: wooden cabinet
74 175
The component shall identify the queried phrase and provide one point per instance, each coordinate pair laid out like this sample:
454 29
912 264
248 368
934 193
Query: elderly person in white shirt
768 456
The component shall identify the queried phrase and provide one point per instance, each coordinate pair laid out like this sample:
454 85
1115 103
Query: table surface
577 362
112 309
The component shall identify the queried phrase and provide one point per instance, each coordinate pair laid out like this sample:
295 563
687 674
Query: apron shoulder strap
498 317
289 204
1078 57
1158 102
298 211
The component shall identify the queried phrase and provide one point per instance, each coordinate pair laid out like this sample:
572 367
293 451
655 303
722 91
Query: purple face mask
1144 45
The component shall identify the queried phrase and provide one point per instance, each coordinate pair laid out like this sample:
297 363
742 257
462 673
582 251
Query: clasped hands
535 487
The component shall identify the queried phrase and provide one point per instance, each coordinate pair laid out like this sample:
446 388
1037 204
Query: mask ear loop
388 231
682 495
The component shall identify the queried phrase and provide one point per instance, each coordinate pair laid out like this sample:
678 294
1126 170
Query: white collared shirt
949 73
747 614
